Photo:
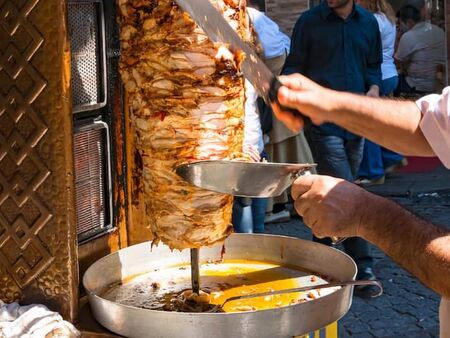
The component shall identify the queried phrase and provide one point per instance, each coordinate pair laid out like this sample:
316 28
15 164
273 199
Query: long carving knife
246 179
218 30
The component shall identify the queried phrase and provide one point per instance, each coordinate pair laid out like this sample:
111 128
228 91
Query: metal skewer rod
195 271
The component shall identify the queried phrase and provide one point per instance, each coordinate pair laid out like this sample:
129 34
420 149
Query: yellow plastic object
331 331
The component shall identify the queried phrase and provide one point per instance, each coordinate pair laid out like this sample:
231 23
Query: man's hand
330 206
374 91
306 96
252 152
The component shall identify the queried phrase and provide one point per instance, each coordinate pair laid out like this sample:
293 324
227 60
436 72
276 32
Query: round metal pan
286 321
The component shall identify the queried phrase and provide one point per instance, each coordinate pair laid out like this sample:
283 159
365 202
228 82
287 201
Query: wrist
330 103
337 104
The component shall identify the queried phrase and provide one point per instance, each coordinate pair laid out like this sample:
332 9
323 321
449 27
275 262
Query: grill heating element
92 180
87 36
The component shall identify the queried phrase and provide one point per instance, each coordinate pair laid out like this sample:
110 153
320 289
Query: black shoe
368 291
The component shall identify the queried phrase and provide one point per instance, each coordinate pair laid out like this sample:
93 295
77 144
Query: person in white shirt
248 213
334 207
421 52
282 145
275 43
376 160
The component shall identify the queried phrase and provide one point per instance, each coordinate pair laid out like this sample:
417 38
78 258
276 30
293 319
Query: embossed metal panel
37 229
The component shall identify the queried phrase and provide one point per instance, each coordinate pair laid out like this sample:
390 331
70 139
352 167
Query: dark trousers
404 88
339 155
253 223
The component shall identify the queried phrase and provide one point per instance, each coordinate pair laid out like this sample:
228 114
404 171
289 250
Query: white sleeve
381 23
435 123
252 124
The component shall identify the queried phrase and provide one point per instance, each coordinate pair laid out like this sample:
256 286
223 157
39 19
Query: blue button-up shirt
342 54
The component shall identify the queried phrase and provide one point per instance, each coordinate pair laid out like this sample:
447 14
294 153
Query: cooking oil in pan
161 289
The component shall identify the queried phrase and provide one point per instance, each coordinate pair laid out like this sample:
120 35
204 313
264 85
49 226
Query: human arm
392 124
335 207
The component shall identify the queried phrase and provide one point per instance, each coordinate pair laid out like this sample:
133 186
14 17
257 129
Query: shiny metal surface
195 270
218 30
38 251
93 181
310 288
88 53
247 179
286 321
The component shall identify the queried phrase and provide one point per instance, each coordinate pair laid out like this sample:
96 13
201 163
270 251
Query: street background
407 309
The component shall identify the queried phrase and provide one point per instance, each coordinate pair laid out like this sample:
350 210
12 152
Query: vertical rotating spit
195 271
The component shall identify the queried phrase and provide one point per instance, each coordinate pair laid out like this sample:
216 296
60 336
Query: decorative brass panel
37 229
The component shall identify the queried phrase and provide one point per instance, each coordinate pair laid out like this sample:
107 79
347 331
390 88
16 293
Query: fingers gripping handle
334 240
275 86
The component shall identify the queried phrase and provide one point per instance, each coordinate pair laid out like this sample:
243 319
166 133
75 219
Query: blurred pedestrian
248 213
420 54
282 145
377 160
338 44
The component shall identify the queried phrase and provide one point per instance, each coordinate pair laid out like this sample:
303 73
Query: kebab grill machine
72 201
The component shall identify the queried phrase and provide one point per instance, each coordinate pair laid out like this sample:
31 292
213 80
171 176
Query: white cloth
252 124
435 125
33 321
423 49
274 42
387 32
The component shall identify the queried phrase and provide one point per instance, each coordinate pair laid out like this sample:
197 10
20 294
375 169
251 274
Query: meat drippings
219 281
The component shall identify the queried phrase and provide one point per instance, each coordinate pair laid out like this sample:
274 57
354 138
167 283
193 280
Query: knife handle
275 86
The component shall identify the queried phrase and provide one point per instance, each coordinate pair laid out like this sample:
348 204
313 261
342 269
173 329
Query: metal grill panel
86 30
92 181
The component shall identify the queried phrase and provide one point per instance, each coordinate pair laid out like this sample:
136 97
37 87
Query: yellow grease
222 280
242 277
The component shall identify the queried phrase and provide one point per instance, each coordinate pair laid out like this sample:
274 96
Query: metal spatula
246 179
306 288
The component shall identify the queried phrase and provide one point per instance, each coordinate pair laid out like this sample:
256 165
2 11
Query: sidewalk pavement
407 309
414 184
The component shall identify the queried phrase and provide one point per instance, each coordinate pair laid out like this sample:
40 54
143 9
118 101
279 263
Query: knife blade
218 30
253 68
245 179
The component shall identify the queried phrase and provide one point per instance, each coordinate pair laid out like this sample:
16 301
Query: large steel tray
286 321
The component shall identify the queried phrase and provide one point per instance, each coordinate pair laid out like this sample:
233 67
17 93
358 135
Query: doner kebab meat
186 101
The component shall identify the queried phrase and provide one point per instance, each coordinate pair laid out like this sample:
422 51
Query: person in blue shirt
338 45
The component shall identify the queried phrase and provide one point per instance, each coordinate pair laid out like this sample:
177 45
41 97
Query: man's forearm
419 246
393 124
